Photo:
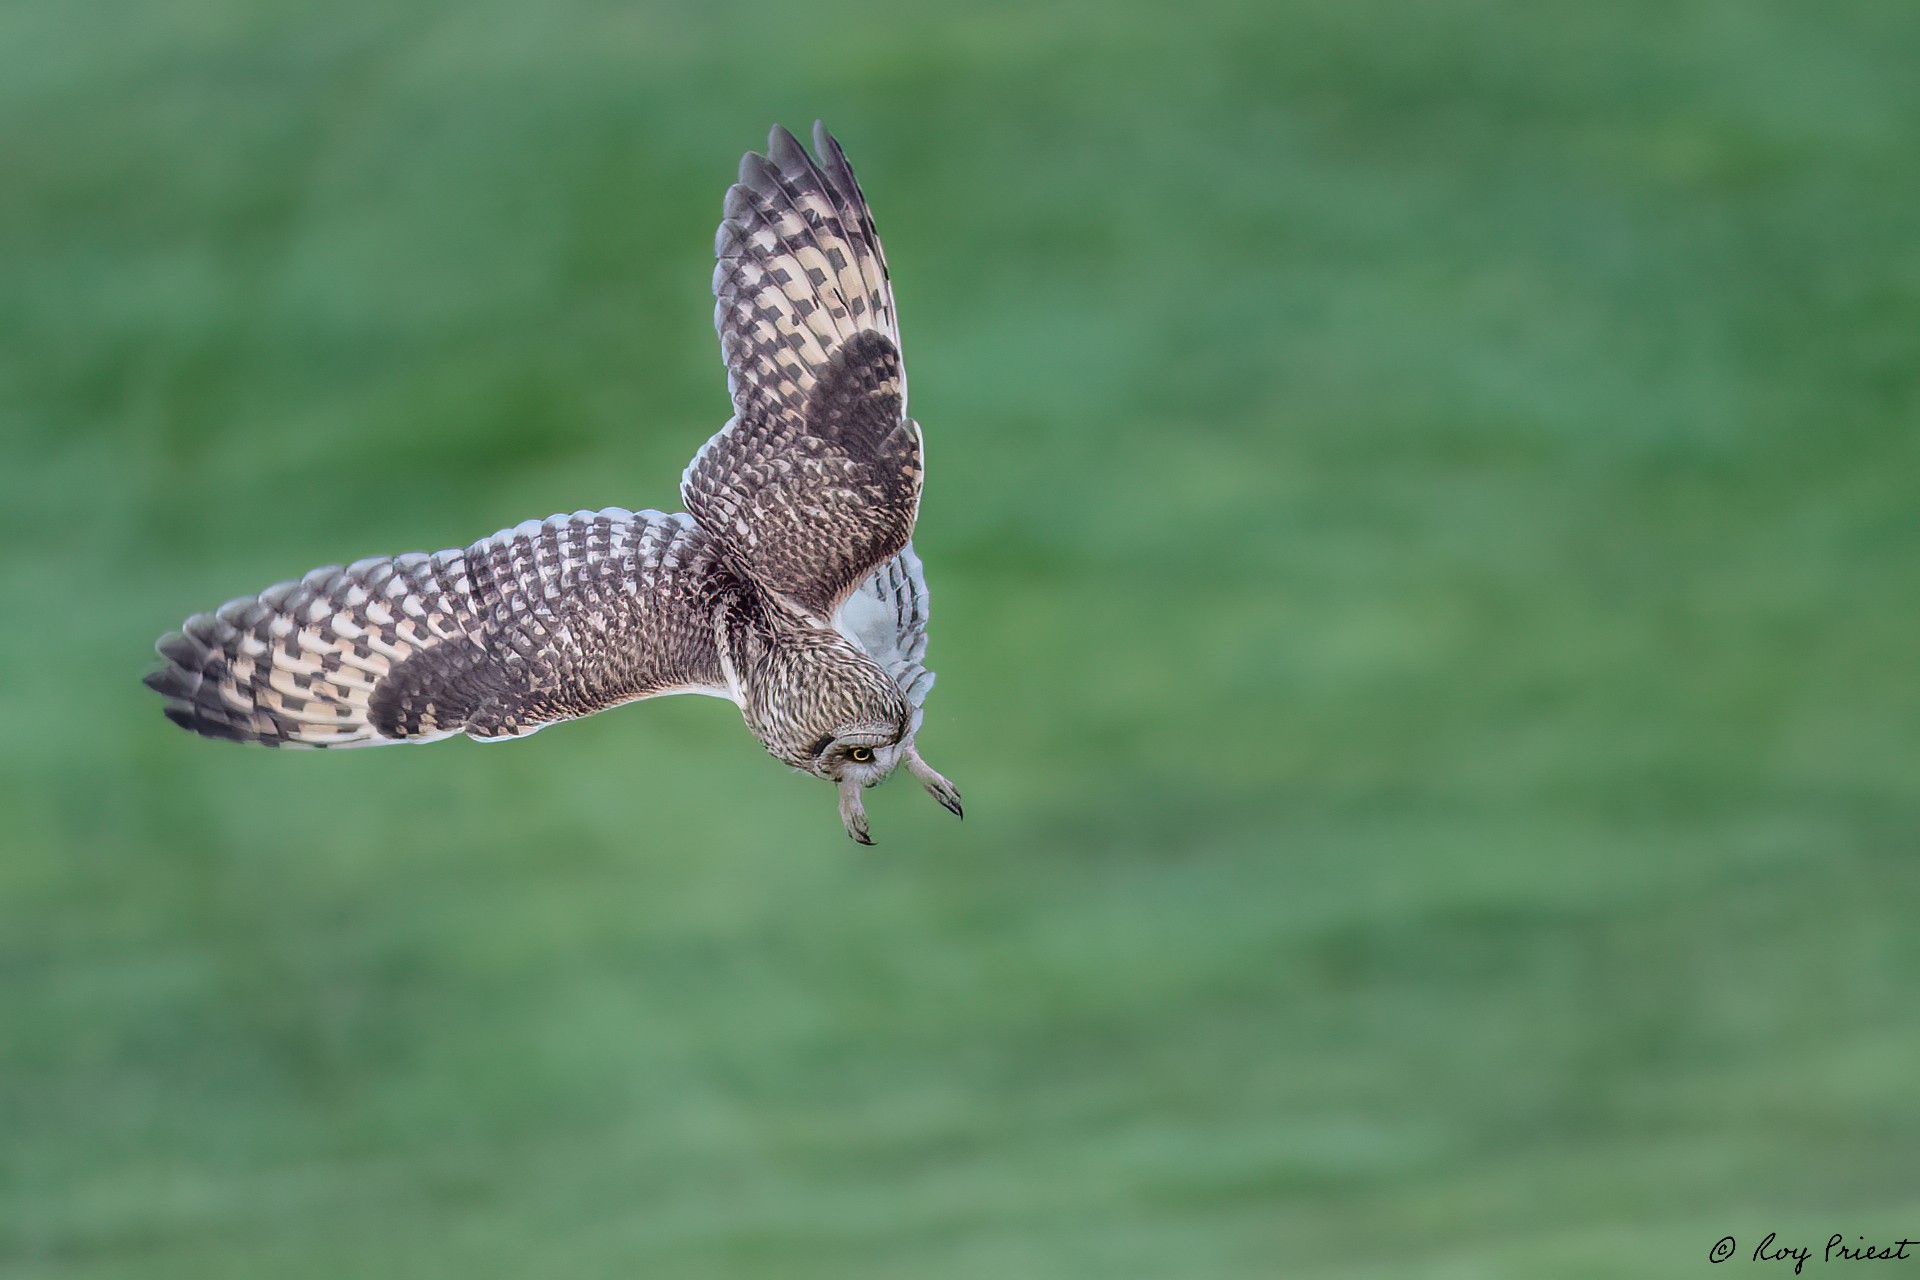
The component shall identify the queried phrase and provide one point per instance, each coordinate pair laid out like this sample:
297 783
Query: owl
789 585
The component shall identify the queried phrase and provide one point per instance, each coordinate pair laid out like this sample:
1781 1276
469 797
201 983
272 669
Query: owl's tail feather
297 665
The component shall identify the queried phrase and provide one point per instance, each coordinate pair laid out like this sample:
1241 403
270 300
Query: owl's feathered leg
852 812
938 787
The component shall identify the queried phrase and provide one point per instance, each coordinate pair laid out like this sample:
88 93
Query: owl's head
827 709
866 754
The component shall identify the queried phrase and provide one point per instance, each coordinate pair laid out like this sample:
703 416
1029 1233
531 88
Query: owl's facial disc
862 754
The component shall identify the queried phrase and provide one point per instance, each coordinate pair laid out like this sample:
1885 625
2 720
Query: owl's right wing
815 482
543 622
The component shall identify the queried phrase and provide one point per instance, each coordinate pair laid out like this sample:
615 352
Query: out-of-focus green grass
1422 513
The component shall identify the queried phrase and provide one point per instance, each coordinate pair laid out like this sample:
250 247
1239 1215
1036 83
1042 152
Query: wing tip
169 681
787 157
785 150
826 146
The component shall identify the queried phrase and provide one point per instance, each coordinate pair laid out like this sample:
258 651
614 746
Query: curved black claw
853 814
938 787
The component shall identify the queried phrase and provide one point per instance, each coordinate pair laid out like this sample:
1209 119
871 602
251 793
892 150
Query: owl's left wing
543 622
815 482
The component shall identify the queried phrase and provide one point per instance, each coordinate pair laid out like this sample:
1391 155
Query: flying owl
789 585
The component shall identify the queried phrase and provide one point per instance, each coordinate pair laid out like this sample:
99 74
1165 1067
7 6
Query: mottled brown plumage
789 586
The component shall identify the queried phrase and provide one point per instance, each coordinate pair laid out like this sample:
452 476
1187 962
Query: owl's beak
938 787
852 813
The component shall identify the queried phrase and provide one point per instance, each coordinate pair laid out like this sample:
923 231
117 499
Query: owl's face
864 754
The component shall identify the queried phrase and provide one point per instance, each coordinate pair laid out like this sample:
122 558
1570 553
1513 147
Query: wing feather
887 618
543 622
815 482
799 271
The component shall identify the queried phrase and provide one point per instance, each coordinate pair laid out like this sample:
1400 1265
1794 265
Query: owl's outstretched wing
543 622
799 271
815 482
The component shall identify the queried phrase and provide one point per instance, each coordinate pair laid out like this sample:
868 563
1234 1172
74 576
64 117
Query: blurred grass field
1422 517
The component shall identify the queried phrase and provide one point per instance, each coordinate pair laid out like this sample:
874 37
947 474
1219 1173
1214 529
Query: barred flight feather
539 622
799 272
816 480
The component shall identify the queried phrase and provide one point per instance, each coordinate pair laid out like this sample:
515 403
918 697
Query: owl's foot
938 787
852 813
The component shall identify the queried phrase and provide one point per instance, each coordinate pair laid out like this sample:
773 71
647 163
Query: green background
1422 517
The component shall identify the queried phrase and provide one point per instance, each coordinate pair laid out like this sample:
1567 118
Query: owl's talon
938 787
853 814
948 797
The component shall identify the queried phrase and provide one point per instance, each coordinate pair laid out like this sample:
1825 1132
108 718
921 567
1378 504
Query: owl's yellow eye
860 755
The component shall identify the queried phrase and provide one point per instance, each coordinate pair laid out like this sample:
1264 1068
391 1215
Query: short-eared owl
788 585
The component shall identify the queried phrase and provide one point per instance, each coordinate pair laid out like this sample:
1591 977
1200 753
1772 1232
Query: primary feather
541 622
